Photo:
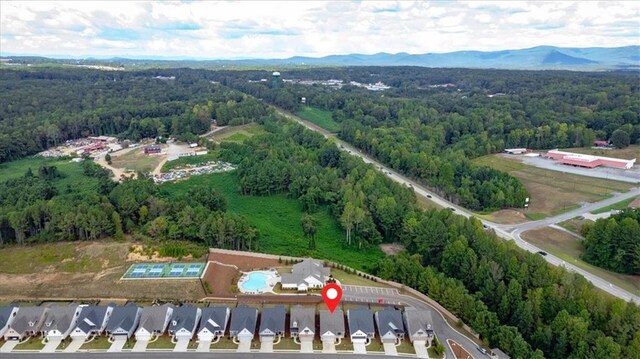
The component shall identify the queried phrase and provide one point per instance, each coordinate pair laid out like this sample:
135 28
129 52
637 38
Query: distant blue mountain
535 58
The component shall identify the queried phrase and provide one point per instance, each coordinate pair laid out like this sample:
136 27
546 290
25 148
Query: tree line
614 243
44 108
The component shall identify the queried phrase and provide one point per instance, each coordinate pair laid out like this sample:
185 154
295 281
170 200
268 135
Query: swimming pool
257 282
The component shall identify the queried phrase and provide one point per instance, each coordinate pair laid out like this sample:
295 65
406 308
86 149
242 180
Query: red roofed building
601 143
588 161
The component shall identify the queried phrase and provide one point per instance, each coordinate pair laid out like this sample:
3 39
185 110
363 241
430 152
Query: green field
278 220
320 117
553 192
616 206
72 173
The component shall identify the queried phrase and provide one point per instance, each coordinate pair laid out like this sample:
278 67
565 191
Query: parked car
429 196
483 351
542 253
451 209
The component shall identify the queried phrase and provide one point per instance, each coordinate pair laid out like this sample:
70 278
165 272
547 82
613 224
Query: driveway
204 346
8 346
244 346
181 345
306 345
75 344
420 347
141 345
266 345
118 344
390 349
51 346
359 346
328 346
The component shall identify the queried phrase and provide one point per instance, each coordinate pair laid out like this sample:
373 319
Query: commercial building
588 161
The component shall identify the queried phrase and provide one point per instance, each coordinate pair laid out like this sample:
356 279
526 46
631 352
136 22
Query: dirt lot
391 248
221 279
507 216
554 192
81 270
137 160
244 262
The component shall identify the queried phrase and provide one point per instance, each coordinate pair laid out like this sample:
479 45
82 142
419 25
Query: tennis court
164 271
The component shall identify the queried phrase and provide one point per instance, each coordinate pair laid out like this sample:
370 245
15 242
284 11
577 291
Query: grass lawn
163 342
574 225
320 117
193 161
137 160
238 133
71 172
278 220
616 206
553 192
34 343
102 343
569 249
432 353
354 279
224 343
82 270
406 347
286 343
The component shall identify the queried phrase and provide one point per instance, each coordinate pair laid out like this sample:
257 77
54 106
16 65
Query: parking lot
361 294
358 289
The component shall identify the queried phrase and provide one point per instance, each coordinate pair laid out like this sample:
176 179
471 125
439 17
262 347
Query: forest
433 121
33 209
513 299
44 108
613 243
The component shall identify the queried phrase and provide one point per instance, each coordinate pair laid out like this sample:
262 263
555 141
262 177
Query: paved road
508 232
189 355
440 326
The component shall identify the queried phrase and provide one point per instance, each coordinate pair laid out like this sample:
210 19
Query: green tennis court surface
164 271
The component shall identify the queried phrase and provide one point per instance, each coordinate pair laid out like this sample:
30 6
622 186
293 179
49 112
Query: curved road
508 232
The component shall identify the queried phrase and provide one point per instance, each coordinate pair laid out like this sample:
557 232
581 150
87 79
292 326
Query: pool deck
273 278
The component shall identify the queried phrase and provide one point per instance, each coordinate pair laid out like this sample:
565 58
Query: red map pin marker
331 294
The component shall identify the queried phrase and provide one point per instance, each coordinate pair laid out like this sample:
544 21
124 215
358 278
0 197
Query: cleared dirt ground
82 270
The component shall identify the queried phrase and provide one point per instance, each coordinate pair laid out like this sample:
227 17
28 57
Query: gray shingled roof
243 317
417 320
153 318
360 318
123 317
302 317
389 320
500 354
91 317
213 318
5 312
273 319
60 317
308 267
25 316
183 317
331 322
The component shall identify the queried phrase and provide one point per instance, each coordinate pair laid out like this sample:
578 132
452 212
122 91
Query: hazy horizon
279 30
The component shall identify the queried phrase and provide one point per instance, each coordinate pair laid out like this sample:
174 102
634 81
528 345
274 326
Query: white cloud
231 29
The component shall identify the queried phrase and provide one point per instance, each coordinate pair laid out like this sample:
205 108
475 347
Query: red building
152 149
588 161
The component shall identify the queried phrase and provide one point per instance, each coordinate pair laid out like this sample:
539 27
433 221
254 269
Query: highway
508 232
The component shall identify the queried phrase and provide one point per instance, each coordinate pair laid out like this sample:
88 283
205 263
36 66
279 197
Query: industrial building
516 151
152 149
588 161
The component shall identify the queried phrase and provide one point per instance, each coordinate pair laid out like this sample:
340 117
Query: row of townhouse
184 323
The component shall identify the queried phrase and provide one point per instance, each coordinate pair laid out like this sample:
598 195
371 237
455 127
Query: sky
272 29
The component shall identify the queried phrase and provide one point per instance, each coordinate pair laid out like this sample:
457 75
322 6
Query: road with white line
508 232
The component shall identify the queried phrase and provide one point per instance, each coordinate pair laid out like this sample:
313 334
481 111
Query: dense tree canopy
614 243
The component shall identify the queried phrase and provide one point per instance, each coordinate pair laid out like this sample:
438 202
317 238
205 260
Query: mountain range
535 58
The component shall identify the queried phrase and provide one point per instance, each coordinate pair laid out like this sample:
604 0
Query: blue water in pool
255 282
